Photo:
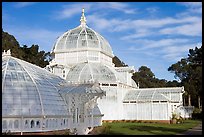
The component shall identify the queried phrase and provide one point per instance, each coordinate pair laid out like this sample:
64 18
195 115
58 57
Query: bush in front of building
197 114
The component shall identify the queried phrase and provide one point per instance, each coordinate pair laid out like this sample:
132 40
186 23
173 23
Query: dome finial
83 19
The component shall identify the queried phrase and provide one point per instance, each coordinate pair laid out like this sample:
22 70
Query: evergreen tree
118 62
29 54
189 71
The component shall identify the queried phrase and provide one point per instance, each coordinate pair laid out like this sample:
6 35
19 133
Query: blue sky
154 34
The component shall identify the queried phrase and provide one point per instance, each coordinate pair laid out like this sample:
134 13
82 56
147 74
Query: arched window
26 123
50 123
10 124
56 124
64 122
67 122
32 124
38 124
16 124
46 123
4 124
61 122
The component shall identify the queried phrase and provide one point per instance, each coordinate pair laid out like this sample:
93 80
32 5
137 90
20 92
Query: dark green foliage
118 62
34 56
146 79
29 54
9 42
197 116
173 83
189 71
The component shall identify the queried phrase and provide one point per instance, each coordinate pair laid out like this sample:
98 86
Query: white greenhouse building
82 89
81 55
35 100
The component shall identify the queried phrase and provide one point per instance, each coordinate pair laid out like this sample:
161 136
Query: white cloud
194 29
147 44
191 4
158 23
71 10
152 10
117 25
176 52
138 34
100 23
193 7
23 4
118 6
170 50
187 26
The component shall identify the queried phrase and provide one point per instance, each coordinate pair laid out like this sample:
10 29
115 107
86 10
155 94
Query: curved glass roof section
154 94
29 90
89 72
82 38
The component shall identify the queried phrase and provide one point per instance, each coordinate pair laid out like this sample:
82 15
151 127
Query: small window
38 124
46 125
132 101
32 124
10 124
4 124
113 84
105 84
125 101
67 122
61 122
155 101
26 124
50 123
56 122
16 123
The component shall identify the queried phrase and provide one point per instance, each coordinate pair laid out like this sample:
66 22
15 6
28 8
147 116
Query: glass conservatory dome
82 38
28 90
86 72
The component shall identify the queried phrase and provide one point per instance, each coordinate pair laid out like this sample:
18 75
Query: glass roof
82 38
154 94
82 89
86 72
29 90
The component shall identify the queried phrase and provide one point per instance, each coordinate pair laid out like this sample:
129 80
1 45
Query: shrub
7 133
179 120
197 116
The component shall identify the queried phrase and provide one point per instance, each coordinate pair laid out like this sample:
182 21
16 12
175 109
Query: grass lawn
147 128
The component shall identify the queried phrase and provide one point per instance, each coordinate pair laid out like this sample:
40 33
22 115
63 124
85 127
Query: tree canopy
29 54
118 62
146 79
189 71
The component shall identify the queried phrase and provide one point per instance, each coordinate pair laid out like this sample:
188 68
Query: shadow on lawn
154 130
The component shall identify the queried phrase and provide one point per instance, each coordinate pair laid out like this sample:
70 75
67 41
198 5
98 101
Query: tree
9 42
173 83
189 71
29 54
145 77
118 62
